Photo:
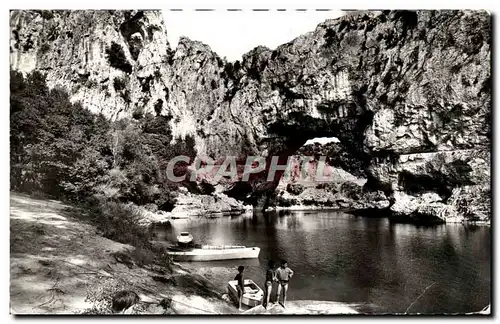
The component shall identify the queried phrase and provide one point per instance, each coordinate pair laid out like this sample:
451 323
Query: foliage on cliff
61 149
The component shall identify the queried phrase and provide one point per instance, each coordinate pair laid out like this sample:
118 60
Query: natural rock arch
396 87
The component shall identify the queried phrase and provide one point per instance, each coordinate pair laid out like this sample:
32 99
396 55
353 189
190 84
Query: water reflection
341 257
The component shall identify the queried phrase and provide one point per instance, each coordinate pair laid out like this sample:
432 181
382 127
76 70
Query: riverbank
60 264
383 213
427 209
191 205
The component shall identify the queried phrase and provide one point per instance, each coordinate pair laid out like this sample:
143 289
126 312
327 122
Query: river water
364 260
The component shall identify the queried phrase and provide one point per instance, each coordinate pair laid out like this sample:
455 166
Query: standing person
270 278
283 274
240 286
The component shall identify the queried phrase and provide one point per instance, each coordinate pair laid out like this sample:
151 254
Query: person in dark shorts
283 274
240 286
270 278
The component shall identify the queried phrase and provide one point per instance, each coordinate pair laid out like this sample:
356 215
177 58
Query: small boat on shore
213 253
252 294
184 239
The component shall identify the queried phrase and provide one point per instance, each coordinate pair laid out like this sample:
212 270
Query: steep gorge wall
387 84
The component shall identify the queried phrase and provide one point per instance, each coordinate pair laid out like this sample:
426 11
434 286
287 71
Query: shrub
330 37
165 201
117 59
206 188
122 223
283 202
294 189
138 113
119 84
231 70
328 186
329 203
44 48
158 107
47 14
474 202
143 256
119 222
351 190
310 202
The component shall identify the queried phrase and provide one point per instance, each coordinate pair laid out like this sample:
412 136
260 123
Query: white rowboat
252 295
184 238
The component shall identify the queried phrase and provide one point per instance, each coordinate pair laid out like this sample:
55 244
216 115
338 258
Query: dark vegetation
117 59
151 29
138 113
284 202
295 188
330 37
408 19
44 48
231 73
46 14
62 151
119 84
146 83
351 190
328 186
29 44
213 84
476 203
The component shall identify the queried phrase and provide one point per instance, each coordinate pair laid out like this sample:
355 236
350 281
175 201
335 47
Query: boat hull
205 254
251 299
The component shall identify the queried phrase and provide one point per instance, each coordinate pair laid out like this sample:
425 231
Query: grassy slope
58 259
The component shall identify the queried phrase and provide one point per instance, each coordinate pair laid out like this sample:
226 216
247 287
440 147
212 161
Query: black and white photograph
295 162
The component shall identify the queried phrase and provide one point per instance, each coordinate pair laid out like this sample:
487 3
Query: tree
55 144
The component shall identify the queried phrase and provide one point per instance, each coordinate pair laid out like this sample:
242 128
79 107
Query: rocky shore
427 208
194 205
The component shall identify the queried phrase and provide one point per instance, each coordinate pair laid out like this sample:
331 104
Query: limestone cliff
394 87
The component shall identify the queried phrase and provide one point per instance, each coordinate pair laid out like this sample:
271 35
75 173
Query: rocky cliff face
102 58
395 87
